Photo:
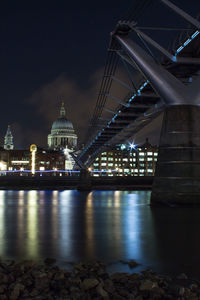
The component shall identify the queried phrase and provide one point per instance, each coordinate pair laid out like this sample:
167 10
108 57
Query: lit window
42 168
103 158
150 170
103 164
155 154
155 159
96 164
141 159
110 158
141 171
141 153
110 164
149 158
125 159
149 153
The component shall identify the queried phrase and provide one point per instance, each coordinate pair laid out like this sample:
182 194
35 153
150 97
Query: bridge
159 80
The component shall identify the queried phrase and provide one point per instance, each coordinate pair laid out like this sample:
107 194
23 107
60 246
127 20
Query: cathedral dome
62 133
62 123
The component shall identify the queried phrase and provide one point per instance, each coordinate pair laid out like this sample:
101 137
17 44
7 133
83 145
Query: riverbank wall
73 182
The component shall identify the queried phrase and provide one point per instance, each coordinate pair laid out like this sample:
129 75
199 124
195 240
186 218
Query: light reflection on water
102 225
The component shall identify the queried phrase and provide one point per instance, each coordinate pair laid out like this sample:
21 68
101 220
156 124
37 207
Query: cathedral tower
8 140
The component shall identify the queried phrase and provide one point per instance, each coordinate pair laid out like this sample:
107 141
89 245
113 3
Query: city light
132 146
123 146
33 149
3 166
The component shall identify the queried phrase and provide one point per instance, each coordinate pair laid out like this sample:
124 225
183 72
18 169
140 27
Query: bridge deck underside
143 109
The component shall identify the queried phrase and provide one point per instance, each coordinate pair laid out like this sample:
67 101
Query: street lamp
33 149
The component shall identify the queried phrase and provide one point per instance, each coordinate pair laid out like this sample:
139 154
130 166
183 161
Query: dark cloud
79 103
24 136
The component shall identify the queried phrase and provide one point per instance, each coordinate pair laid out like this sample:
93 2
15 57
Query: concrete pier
85 180
177 176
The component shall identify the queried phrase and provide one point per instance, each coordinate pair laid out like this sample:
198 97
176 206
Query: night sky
52 50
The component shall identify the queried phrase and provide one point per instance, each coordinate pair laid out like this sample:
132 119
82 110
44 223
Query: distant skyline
56 50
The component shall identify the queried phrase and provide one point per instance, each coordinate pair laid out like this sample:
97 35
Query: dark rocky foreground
30 280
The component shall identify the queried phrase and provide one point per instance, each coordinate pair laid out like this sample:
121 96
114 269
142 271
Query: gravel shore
89 281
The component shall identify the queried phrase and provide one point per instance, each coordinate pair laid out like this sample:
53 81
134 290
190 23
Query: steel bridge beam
116 100
181 13
173 58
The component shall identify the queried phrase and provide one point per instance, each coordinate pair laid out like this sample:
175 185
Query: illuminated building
21 160
8 140
63 137
62 133
127 160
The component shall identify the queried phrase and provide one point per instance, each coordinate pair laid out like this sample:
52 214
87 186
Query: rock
102 292
182 276
176 290
89 283
34 293
59 275
16 291
4 278
193 286
79 266
49 261
132 264
119 277
109 286
3 297
181 291
139 298
148 285
2 288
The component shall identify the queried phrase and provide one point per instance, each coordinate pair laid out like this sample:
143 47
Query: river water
110 226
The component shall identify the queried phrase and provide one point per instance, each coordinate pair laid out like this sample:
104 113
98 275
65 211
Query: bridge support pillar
85 180
177 176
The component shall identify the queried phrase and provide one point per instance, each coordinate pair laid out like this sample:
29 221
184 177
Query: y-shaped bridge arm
169 88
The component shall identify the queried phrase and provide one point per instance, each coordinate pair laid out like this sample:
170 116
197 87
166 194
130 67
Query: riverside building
20 160
126 160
